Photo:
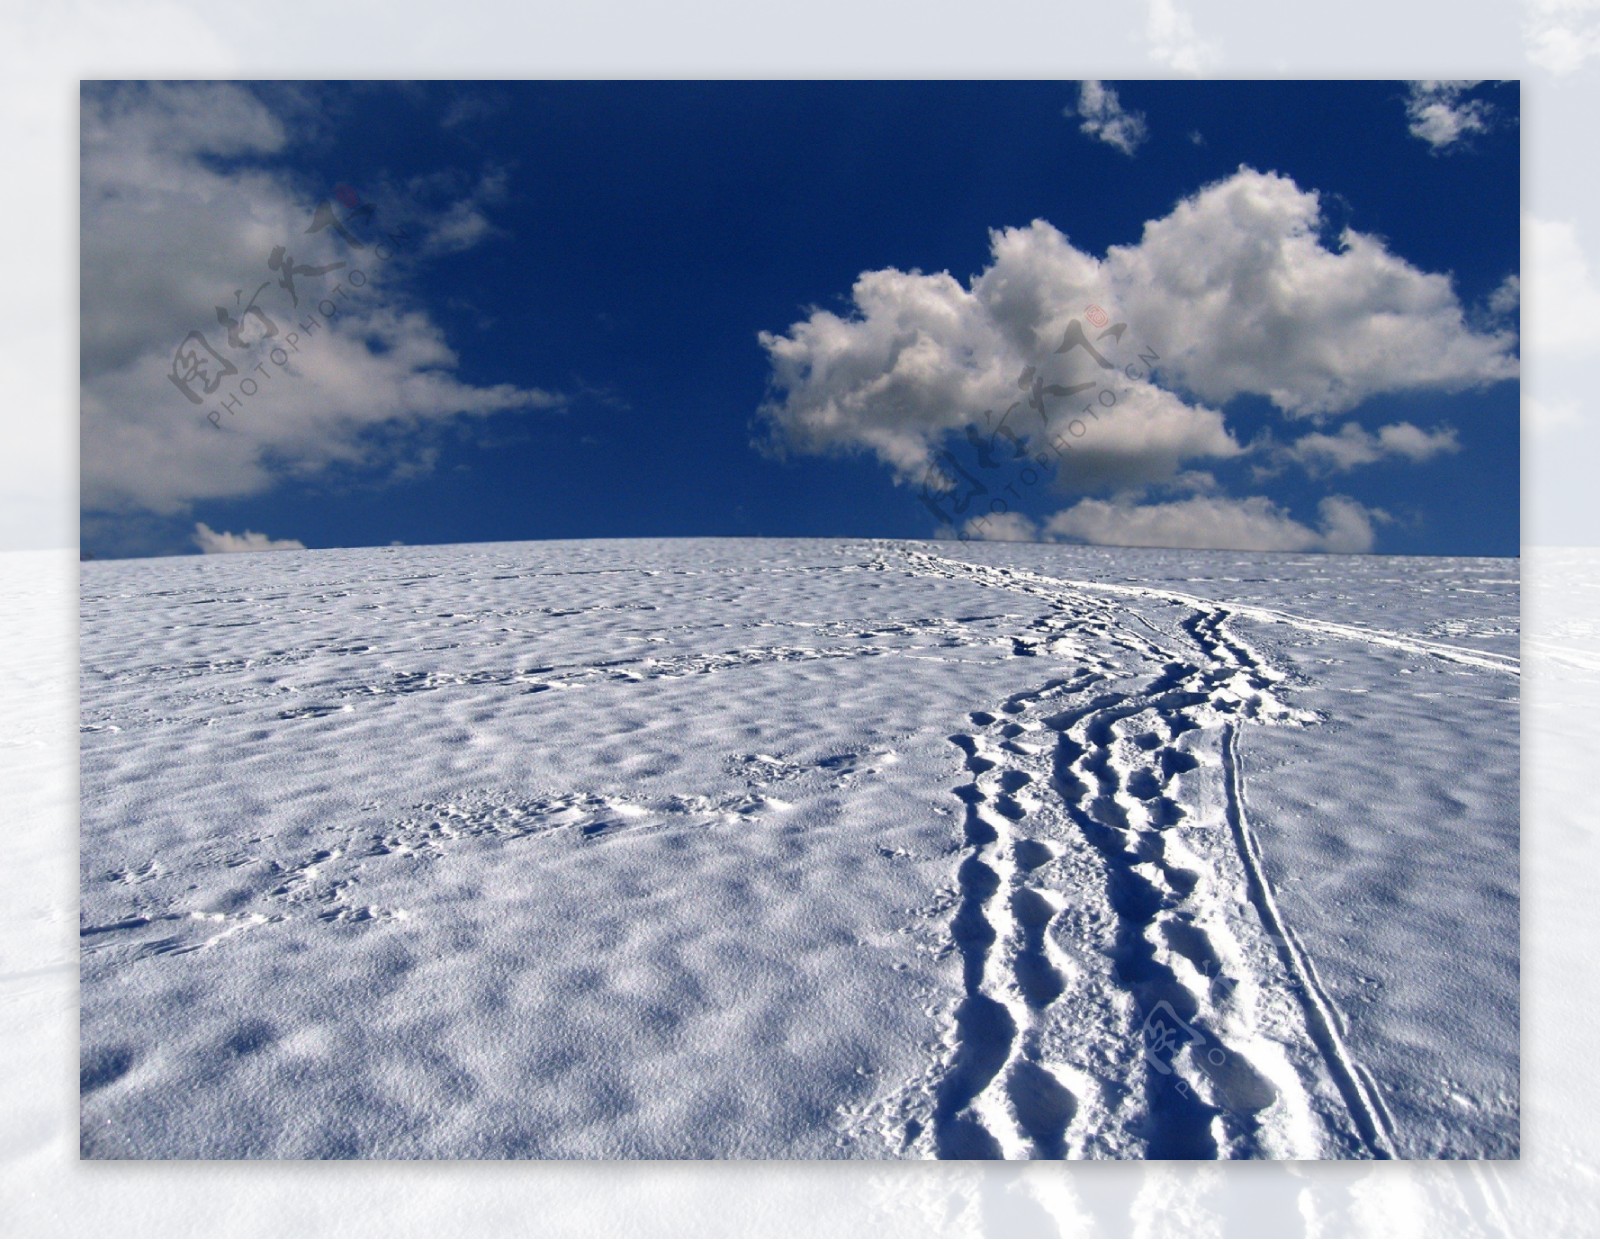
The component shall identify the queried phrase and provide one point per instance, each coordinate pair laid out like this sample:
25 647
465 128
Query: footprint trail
1118 998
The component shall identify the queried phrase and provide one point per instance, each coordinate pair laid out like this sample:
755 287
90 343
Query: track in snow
1075 797
717 784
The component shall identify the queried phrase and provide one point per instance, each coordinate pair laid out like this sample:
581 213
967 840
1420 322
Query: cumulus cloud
183 201
1237 284
922 356
1215 522
1353 446
1233 289
1105 120
1441 116
215 542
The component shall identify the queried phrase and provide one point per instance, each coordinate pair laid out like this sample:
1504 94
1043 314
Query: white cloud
1233 289
1170 32
462 222
923 356
1441 117
462 227
1105 119
1002 527
168 235
1237 285
1507 298
214 542
1213 522
476 105
1562 314
1562 35
1353 446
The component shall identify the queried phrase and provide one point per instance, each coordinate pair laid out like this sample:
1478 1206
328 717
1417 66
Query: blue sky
637 309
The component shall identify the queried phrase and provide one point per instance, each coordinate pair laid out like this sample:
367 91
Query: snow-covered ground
804 849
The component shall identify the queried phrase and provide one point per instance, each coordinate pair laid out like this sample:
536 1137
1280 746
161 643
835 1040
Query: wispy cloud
475 105
1105 120
1353 446
453 207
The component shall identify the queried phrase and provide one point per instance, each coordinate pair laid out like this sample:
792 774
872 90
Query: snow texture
798 849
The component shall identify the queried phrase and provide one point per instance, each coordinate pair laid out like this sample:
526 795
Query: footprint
1043 1105
1143 784
1011 781
969 746
1192 943
1032 908
1239 1087
1031 854
1176 762
1010 807
1164 813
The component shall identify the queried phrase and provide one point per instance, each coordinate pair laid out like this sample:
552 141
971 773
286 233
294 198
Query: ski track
1037 583
1072 802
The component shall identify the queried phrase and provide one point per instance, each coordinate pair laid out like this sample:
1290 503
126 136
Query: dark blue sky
647 232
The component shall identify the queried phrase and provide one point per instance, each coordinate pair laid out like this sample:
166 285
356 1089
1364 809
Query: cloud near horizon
220 542
1201 522
182 204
